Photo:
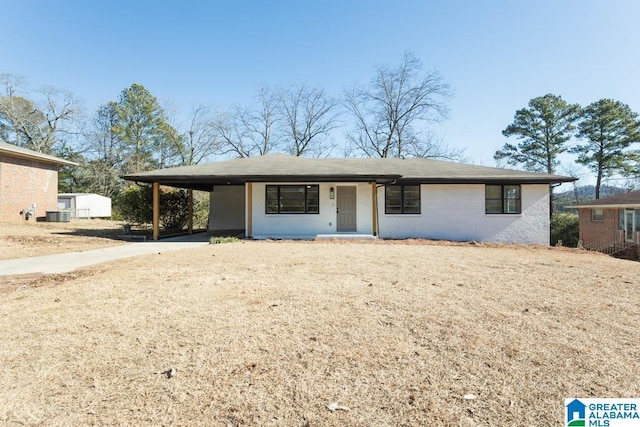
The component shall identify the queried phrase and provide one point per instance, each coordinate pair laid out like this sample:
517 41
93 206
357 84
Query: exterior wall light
332 193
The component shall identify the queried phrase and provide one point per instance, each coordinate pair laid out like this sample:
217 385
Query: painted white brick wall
448 212
456 212
305 226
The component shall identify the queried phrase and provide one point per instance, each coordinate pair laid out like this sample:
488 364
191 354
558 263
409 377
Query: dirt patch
260 333
28 239
23 282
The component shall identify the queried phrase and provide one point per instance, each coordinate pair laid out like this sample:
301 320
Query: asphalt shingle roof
25 153
283 168
630 199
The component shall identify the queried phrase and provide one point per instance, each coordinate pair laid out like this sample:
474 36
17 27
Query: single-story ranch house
279 196
610 223
28 182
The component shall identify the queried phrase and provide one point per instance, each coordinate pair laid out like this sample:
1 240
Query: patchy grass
270 333
217 240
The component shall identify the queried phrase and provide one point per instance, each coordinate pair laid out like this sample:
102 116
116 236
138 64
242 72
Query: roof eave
241 179
207 180
42 159
610 206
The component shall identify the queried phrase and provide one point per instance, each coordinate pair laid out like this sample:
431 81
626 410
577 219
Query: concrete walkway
61 263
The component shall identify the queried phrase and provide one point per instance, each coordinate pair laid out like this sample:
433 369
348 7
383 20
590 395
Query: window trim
402 199
503 199
597 218
306 187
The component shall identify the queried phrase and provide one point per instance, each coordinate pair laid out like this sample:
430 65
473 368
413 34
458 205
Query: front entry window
292 199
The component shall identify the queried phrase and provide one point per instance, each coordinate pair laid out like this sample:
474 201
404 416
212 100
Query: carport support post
156 211
374 199
190 195
249 231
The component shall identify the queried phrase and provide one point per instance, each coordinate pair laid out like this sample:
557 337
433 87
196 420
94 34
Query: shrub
135 205
564 226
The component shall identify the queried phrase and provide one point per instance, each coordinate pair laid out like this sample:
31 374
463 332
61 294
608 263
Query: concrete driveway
61 263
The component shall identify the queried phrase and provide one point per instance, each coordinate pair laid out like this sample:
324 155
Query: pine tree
609 128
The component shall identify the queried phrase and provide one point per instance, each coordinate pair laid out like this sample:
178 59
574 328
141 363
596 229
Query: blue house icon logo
576 414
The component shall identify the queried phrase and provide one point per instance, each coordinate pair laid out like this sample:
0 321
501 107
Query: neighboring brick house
610 222
28 182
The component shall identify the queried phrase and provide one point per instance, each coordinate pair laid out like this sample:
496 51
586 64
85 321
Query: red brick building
28 182
611 221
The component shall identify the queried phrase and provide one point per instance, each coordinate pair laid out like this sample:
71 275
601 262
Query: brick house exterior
610 219
593 230
28 182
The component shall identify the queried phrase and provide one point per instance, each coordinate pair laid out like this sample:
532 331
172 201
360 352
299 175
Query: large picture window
292 199
402 199
502 199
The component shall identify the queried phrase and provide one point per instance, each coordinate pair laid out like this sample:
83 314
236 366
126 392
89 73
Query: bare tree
200 140
250 131
61 112
19 117
391 114
41 128
232 136
431 145
192 141
309 116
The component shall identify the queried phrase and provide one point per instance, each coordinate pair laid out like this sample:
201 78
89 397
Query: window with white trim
597 215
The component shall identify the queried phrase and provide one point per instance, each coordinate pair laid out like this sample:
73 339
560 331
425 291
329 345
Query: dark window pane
493 192
272 199
493 206
393 199
411 199
412 207
401 199
512 192
502 199
511 206
313 198
620 219
292 192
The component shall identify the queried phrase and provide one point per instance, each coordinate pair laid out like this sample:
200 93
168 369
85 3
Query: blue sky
496 55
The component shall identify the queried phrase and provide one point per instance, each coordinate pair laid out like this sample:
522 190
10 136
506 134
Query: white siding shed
85 205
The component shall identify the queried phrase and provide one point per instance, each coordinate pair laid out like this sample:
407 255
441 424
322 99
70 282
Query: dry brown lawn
270 333
30 238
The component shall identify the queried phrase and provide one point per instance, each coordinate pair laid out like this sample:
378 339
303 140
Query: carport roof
284 168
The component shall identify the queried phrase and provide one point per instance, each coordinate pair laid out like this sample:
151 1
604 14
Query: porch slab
345 236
